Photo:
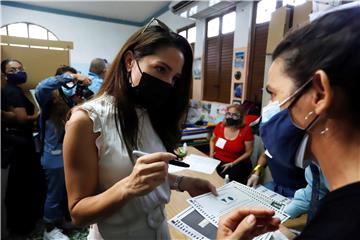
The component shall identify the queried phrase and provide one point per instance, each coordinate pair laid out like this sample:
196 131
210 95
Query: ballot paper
200 220
197 163
191 223
231 196
273 195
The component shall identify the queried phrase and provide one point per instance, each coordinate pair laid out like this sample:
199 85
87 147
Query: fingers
225 167
235 217
154 179
145 169
253 226
245 228
156 157
213 189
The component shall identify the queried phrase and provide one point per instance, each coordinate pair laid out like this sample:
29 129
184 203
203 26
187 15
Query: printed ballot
201 219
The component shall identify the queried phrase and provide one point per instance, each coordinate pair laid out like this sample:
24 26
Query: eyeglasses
233 115
158 23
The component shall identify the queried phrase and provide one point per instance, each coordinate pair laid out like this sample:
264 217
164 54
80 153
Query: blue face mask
16 78
280 135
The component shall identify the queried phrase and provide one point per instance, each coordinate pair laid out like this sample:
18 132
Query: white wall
175 22
91 38
242 32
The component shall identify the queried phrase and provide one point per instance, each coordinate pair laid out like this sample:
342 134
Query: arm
86 205
194 186
300 204
247 154
44 89
262 163
254 178
248 151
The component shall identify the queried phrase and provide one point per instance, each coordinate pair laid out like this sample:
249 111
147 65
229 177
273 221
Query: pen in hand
172 162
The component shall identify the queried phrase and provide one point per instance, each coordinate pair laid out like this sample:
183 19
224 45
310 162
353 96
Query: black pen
172 162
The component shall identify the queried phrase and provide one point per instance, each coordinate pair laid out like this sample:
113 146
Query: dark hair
5 62
332 44
147 41
63 69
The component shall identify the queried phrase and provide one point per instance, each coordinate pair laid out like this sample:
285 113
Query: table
178 199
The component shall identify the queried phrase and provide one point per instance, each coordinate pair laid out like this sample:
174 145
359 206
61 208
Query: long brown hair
166 123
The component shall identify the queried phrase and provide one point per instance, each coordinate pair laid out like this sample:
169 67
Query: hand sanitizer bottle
227 179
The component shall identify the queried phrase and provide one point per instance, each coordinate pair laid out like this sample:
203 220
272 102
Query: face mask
300 160
16 78
269 111
232 122
280 135
151 92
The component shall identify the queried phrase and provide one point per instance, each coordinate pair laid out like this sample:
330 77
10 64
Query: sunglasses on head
156 22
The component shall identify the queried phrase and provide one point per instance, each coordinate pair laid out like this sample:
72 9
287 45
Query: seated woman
232 143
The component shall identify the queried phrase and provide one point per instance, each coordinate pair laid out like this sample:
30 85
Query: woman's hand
197 186
226 166
246 224
149 172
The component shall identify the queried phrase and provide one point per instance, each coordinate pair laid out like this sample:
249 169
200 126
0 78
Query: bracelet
177 183
258 167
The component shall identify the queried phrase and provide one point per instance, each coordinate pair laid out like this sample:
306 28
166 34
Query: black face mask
232 122
16 78
151 93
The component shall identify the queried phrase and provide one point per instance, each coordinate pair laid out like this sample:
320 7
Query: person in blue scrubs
52 118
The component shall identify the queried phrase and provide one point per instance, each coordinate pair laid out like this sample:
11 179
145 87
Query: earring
130 79
308 115
324 131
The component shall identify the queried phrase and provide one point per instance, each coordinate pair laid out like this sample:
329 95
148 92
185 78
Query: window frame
28 32
186 29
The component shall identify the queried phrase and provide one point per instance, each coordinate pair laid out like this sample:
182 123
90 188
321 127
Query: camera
83 91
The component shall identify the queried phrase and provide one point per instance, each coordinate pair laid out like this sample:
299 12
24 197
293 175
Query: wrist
125 190
257 169
178 184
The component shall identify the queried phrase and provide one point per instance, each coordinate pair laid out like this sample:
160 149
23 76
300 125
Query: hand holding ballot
247 223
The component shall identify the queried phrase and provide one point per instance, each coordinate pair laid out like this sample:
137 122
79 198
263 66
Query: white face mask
275 107
269 111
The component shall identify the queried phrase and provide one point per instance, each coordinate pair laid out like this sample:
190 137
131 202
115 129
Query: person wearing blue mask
314 83
18 157
54 110
141 106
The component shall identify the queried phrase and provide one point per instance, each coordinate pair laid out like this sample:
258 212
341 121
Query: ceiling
127 12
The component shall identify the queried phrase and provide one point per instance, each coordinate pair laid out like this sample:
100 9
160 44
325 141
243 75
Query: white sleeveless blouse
141 217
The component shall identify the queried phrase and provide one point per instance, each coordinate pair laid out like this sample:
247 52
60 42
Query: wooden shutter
257 63
212 62
227 46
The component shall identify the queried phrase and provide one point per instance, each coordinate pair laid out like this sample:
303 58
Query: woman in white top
140 107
